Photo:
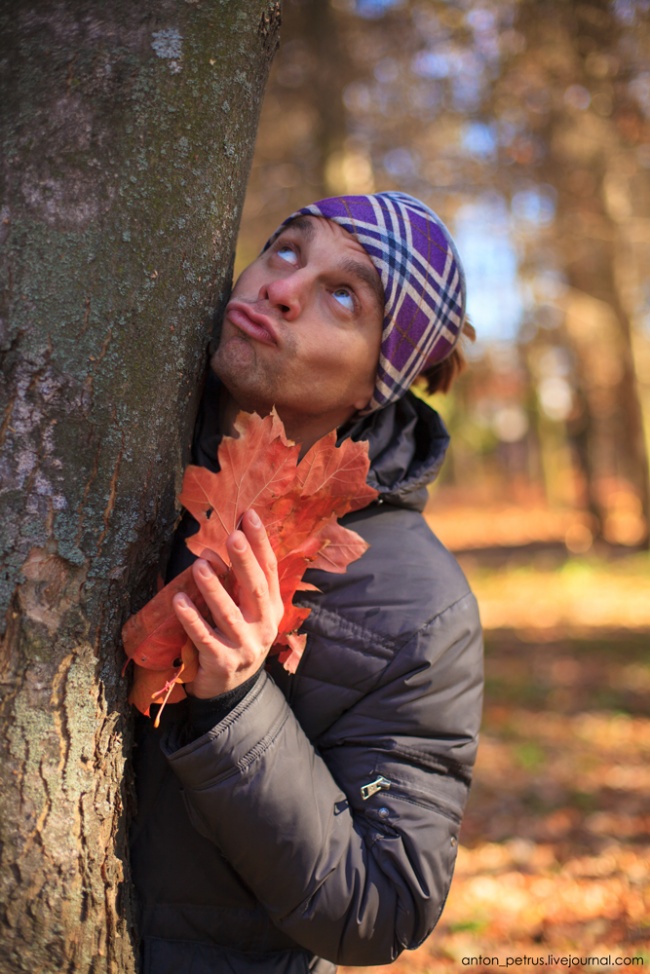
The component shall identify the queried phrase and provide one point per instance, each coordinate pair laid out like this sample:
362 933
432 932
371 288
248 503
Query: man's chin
233 363
237 378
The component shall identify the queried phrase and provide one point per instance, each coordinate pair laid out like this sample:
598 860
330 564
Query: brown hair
440 377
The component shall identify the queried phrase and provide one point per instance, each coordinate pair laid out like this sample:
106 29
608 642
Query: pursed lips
252 323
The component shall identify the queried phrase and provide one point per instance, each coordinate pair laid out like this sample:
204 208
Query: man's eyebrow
303 224
365 274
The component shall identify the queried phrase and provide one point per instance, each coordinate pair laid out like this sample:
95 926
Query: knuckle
269 639
273 626
231 616
270 560
259 591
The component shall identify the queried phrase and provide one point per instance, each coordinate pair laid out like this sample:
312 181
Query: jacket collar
407 443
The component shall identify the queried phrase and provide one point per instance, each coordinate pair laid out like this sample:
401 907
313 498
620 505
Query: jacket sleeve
350 849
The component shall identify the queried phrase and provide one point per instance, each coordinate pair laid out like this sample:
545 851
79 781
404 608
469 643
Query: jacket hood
407 443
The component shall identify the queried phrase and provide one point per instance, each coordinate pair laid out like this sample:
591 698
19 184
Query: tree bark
127 135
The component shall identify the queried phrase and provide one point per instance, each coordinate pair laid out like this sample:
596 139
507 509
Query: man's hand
243 633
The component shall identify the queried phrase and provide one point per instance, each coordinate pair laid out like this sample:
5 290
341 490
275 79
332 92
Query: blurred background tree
526 127
525 124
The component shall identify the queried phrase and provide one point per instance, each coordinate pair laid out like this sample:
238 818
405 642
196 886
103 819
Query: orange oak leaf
338 473
291 655
153 637
341 547
163 686
298 501
256 466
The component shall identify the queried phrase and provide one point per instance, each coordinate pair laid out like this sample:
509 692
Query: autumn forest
526 125
128 132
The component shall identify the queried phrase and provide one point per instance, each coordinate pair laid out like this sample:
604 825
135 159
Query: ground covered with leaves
554 861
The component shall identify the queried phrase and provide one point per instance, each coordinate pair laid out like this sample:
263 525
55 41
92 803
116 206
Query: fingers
226 615
257 600
257 576
191 620
245 623
222 664
232 613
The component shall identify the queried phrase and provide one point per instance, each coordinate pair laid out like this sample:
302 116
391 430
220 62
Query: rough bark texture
127 136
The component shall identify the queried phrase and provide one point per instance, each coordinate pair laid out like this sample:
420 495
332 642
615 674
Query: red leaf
298 502
339 471
153 637
147 684
291 657
340 547
256 467
163 686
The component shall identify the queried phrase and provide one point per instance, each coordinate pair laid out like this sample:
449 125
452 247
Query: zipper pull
379 784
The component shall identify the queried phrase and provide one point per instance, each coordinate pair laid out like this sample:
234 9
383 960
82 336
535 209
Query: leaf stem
167 690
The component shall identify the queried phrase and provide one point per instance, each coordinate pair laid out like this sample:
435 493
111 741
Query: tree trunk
127 135
586 153
329 72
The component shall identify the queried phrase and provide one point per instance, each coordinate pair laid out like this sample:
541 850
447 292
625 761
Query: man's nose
285 294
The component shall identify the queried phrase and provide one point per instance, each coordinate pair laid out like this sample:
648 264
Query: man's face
302 330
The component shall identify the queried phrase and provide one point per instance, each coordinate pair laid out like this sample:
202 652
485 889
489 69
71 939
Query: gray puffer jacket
318 821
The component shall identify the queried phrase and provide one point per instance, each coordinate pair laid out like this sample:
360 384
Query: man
287 823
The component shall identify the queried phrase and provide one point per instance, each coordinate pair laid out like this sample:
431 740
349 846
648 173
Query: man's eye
344 297
287 253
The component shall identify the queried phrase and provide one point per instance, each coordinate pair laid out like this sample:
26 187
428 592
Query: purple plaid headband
422 277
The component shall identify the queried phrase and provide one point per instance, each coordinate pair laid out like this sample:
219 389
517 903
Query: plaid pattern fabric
423 280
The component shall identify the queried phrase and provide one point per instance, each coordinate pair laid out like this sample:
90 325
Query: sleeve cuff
204 714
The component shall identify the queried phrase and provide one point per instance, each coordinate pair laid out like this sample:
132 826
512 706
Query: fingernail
238 541
254 519
204 570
